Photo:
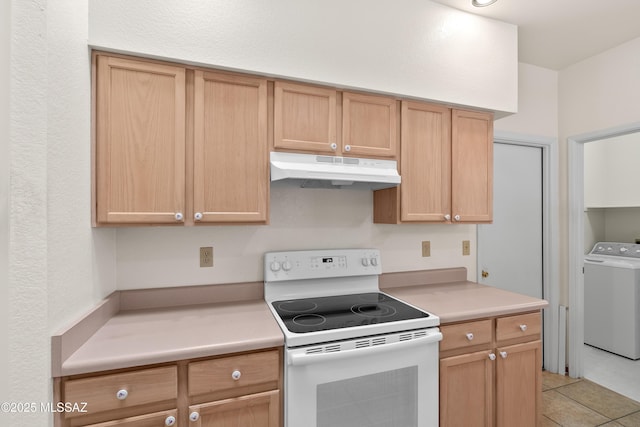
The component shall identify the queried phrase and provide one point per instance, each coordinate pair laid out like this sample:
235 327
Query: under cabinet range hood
320 171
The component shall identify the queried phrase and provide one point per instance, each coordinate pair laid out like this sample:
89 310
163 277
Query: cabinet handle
194 416
179 216
197 216
470 336
347 147
492 356
334 146
447 217
170 421
503 354
122 394
523 328
456 218
236 375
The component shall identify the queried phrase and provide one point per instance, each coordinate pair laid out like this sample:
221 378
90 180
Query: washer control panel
627 250
296 265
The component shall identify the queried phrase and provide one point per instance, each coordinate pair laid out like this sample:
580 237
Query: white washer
612 298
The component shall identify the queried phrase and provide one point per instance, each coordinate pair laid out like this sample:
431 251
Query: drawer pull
122 394
492 356
470 336
194 416
236 375
523 328
170 421
503 354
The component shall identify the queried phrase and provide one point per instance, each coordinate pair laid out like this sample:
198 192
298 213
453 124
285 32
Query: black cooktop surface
343 311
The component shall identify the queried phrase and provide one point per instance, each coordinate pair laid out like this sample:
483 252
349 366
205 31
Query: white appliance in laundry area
612 298
354 356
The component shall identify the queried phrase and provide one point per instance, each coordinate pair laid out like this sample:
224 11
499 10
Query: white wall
300 219
5 55
598 93
416 48
537 104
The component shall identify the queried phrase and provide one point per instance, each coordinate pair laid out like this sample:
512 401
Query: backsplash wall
300 219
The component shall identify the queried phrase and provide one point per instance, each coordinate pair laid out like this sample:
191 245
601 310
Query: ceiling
557 33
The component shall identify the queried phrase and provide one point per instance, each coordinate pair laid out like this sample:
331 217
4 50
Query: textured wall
411 47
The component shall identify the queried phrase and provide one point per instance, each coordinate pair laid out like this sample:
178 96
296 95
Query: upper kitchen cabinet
471 166
446 163
176 145
369 125
309 118
139 142
230 166
304 118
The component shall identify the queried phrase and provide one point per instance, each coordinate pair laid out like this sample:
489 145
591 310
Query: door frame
550 243
576 238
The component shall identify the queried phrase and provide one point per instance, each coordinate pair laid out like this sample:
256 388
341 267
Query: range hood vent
319 171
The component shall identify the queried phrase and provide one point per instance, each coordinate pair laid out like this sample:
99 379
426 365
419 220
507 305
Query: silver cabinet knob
122 394
179 216
197 216
470 336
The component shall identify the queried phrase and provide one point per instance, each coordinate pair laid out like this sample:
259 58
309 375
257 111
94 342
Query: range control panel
627 250
316 264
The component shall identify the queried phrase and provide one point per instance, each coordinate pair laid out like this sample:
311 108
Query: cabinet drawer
465 334
522 325
141 387
157 419
228 373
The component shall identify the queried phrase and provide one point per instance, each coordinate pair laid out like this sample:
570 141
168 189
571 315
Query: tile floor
570 402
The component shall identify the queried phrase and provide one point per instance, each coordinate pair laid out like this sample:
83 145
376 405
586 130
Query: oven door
381 381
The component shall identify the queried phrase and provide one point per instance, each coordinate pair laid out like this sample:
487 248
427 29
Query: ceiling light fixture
482 3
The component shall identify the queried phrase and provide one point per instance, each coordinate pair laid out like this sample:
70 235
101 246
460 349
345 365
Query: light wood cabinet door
369 126
255 410
425 162
140 142
230 166
472 166
519 384
304 118
466 390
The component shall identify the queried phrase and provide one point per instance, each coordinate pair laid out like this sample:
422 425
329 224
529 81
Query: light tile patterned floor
570 402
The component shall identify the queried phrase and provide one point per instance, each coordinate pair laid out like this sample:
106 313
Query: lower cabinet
491 372
255 410
240 389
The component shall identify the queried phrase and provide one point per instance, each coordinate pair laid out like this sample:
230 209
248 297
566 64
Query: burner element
373 310
297 306
309 320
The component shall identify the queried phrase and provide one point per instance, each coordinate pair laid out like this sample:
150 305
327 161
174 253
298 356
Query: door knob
485 274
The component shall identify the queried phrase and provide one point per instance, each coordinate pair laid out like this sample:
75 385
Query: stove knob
275 266
374 261
286 266
365 261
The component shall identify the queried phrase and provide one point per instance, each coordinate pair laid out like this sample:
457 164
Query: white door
510 249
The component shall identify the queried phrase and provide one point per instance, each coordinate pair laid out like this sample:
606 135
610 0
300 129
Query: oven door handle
300 359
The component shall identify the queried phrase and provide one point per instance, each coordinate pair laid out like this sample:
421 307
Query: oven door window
383 399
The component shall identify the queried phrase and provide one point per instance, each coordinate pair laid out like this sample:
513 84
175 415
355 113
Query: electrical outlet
466 247
426 248
206 256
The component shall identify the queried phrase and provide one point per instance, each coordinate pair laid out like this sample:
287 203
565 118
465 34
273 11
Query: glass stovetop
343 311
